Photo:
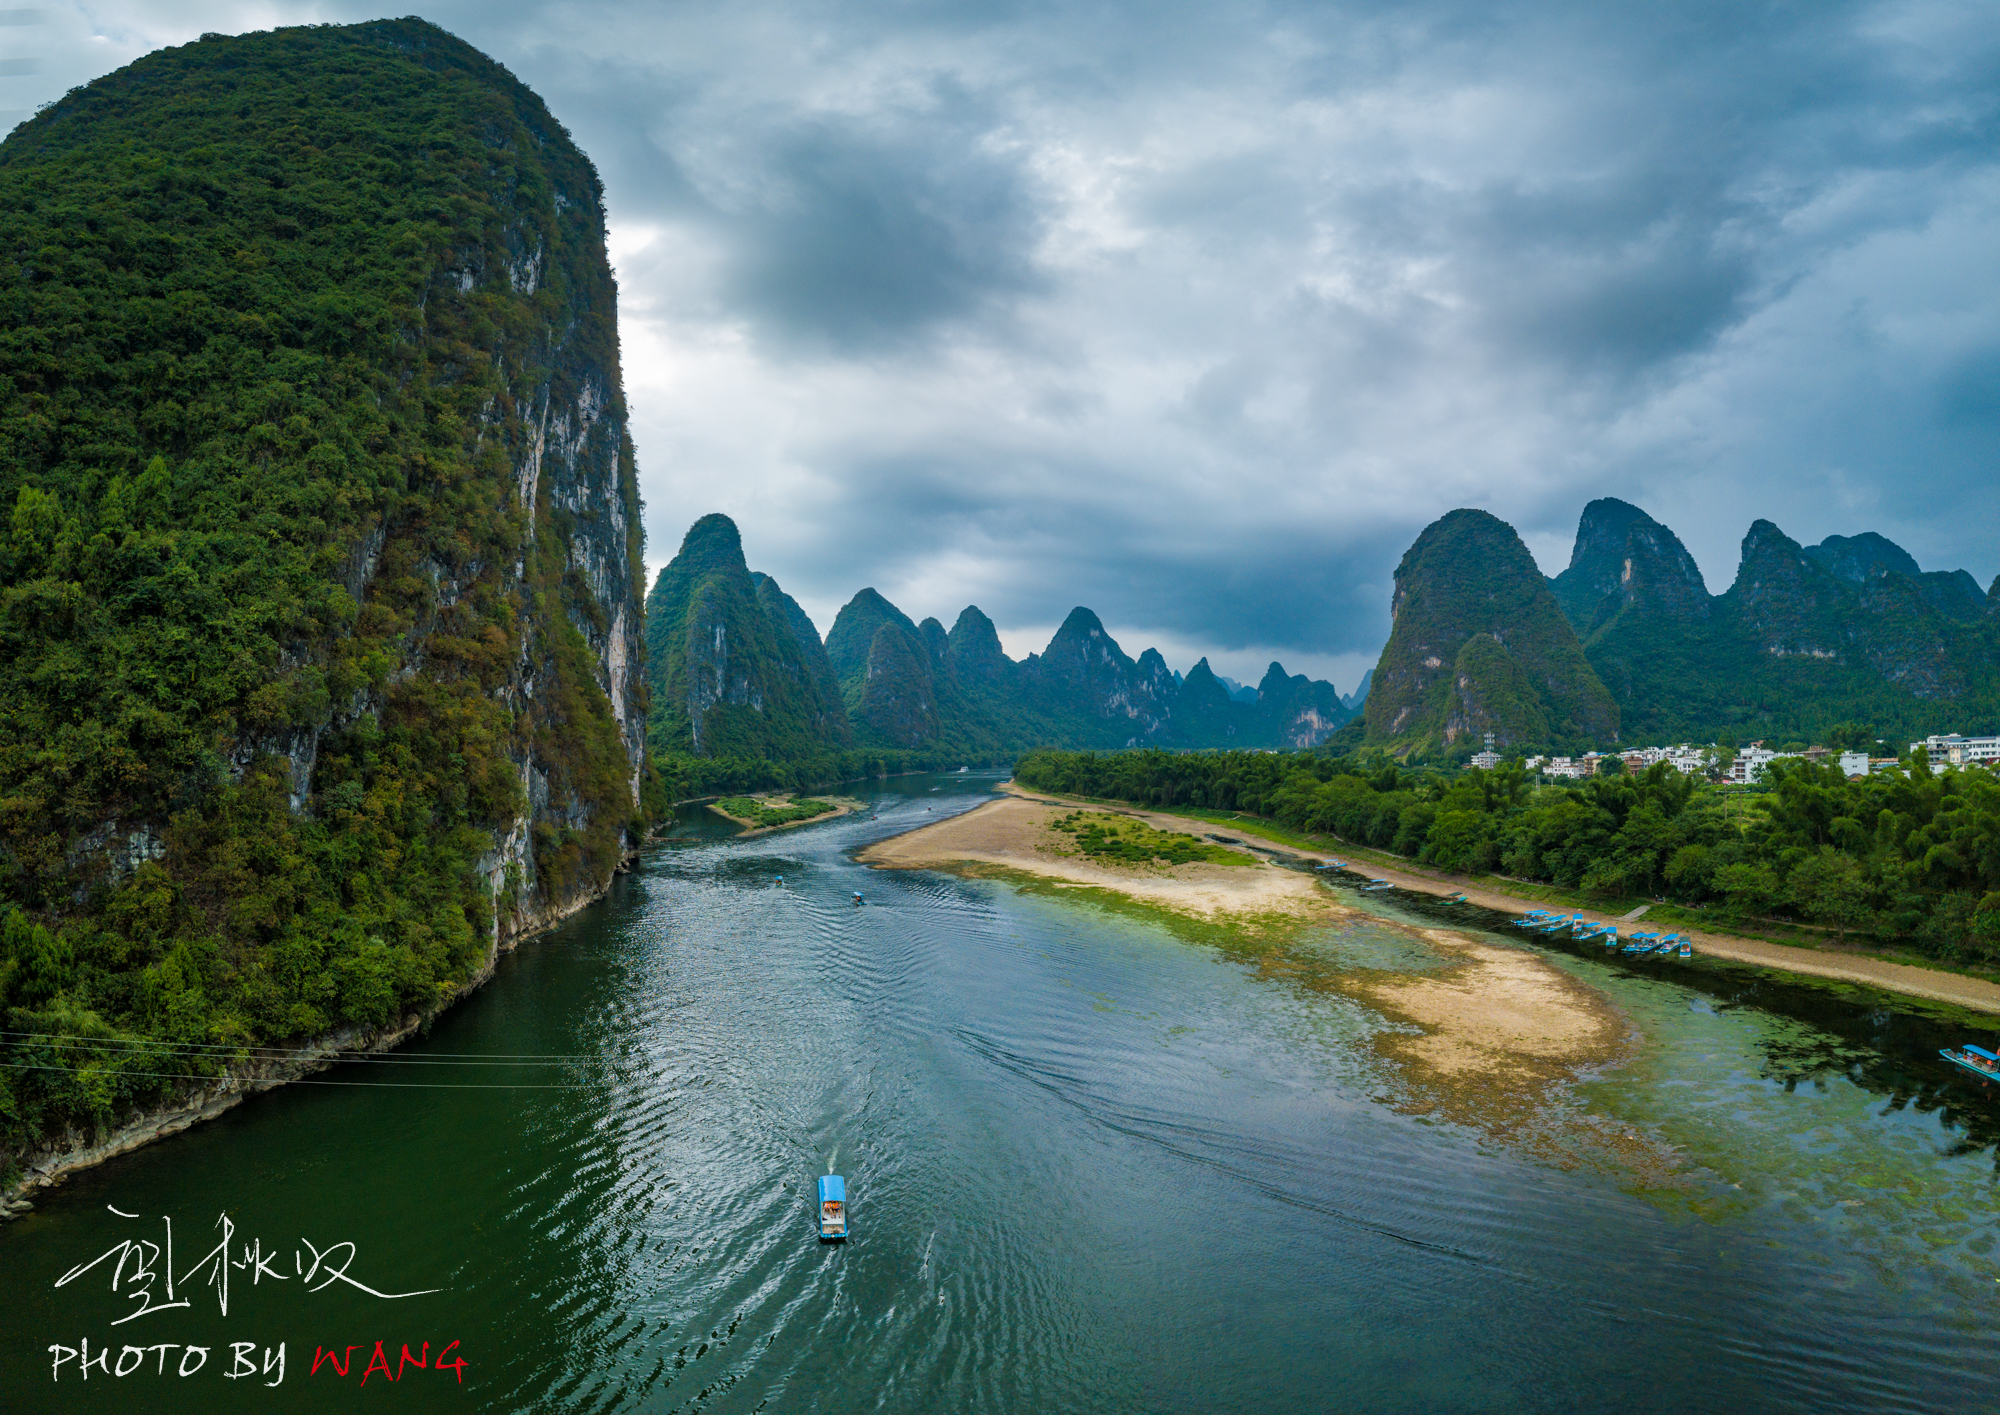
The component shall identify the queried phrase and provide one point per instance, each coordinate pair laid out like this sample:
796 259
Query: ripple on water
1093 1168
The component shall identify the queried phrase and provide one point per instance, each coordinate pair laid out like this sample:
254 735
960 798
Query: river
1092 1168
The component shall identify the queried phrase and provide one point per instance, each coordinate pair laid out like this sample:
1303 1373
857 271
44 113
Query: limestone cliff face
321 664
1300 712
1467 578
441 422
1083 674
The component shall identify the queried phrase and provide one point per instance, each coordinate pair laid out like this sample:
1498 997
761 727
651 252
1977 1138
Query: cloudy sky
1197 315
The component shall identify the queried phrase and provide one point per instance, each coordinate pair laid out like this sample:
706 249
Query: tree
1829 887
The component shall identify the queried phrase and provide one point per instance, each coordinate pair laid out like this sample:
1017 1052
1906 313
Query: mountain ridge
913 686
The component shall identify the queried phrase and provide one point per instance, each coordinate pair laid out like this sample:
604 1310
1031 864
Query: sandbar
1492 1041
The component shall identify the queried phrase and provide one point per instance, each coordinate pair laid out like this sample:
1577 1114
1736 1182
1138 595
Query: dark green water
1091 1168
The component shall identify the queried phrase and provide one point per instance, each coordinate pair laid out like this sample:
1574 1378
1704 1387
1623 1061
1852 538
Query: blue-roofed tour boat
1978 1060
832 1208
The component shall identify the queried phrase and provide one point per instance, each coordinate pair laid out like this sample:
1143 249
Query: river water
1092 1168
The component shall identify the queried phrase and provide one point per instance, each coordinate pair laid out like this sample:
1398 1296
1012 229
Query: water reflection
1093 1168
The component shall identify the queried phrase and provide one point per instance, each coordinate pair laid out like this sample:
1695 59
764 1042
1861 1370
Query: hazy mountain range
738 670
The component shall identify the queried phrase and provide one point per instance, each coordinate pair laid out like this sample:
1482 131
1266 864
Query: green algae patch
1106 836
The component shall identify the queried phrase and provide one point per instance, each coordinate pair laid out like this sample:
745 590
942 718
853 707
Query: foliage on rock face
285 319
730 675
1468 578
1806 638
1908 855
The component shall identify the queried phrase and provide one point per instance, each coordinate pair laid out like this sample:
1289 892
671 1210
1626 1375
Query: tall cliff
321 668
737 668
1478 644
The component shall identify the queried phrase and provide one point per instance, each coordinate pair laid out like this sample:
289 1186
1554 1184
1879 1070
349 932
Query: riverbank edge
1943 993
72 1152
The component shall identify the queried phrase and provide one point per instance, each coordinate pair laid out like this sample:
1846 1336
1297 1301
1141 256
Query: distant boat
857 896
1458 898
1978 1060
1376 886
1687 948
832 1207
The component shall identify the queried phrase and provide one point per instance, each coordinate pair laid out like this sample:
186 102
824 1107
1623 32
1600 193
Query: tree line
1908 855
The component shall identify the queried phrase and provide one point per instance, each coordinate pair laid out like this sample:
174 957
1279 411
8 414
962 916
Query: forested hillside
1908 855
320 654
1478 645
1807 637
746 695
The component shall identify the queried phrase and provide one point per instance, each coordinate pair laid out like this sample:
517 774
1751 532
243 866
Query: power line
196 1049
302 1081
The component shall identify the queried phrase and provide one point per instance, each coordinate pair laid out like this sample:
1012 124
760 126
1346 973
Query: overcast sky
1198 315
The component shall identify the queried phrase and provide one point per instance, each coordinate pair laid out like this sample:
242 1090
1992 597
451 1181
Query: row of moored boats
1968 1058
1667 945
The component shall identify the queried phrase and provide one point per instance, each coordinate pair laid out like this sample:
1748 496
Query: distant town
1745 765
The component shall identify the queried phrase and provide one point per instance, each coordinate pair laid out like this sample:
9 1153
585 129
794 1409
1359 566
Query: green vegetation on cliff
1806 638
1479 644
293 325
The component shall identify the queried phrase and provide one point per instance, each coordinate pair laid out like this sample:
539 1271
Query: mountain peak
1469 575
1081 623
1858 559
1623 558
712 543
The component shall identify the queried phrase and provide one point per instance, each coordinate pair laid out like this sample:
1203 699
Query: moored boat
832 1208
1978 1060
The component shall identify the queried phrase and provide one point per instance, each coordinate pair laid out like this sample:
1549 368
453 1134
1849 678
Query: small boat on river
832 1208
1376 886
1686 948
1978 1060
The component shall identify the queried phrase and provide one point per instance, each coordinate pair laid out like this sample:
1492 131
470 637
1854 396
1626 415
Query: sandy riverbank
1490 1039
1929 983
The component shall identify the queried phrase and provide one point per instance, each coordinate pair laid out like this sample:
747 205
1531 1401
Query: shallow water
1091 1168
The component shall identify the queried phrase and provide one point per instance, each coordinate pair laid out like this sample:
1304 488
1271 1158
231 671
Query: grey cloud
864 241
1197 314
